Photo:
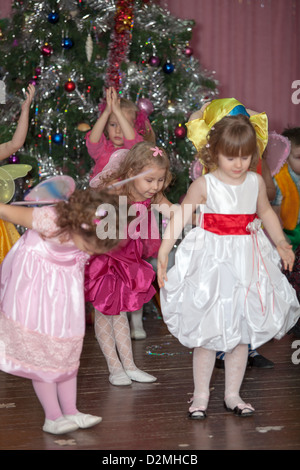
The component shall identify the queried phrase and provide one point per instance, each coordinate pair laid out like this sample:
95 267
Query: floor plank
154 416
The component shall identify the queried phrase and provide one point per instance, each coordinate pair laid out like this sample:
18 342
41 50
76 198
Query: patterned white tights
113 335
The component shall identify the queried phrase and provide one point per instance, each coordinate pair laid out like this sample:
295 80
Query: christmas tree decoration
180 131
67 43
168 67
154 61
69 86
47 50
145 104
53 17
188 51
57 138
72 51
89 47
13 159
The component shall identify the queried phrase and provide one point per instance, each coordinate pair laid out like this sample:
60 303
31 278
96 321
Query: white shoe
138 333
84 420
119 379
59 426
140 376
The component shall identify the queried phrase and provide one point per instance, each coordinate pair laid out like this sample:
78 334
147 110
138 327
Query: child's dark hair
293 134
232 136
139 156
78 215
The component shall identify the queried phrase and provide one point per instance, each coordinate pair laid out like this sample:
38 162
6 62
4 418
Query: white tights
113 335
203 364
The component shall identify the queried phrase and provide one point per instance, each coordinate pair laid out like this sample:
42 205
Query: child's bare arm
16 215
19 137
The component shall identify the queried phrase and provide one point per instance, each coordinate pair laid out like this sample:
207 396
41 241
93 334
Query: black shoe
260 361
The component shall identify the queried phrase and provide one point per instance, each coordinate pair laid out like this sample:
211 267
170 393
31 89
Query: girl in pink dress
121 281
120 126
42 308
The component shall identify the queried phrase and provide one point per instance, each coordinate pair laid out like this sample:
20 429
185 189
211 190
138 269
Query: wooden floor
153 417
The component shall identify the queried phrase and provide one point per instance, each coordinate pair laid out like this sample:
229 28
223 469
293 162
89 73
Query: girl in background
120 125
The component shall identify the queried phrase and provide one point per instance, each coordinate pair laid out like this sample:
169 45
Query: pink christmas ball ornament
144 104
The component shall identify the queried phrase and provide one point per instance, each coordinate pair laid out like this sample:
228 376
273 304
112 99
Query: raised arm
19 137
100 124
126 126
17 215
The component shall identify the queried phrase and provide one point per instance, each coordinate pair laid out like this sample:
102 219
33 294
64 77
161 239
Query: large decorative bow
215 111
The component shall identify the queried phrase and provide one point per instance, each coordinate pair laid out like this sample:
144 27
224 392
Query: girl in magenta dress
42 307
121 281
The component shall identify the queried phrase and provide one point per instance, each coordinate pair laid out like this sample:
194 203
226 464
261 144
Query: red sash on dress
228 224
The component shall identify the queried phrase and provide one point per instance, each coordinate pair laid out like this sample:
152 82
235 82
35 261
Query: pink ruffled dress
121 280
42 308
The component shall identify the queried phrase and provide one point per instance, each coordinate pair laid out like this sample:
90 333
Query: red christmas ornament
46 50
180 132
70 86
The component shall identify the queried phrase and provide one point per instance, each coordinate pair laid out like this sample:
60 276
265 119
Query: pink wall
254 48
5 8
252 45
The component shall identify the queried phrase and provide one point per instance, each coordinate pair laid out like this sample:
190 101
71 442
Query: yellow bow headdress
215 111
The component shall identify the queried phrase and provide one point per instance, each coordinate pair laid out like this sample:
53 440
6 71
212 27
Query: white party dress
42 307
226 287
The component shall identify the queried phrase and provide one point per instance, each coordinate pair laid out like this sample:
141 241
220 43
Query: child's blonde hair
138 157
141 122
232 136
78 215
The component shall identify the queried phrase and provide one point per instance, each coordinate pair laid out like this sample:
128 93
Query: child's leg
235 366
123 342
203 364
105 335
47 395
67 395
55 423
136 325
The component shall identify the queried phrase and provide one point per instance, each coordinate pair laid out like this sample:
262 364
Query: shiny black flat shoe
197 414
242 409
260 361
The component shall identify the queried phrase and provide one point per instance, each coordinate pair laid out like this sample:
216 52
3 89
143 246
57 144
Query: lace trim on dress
33 350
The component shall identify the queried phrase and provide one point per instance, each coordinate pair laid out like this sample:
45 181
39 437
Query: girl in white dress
226 289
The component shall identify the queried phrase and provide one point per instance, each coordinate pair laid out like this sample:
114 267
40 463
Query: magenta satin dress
121 280
42 307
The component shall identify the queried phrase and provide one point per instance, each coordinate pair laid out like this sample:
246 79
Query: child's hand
29 97
162 264
108 108
286 253
115 101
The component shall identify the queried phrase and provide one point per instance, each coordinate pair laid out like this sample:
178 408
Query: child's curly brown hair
78 215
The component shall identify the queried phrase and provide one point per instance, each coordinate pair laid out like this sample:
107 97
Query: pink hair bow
156 151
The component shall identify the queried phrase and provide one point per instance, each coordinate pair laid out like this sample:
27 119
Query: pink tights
57 398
